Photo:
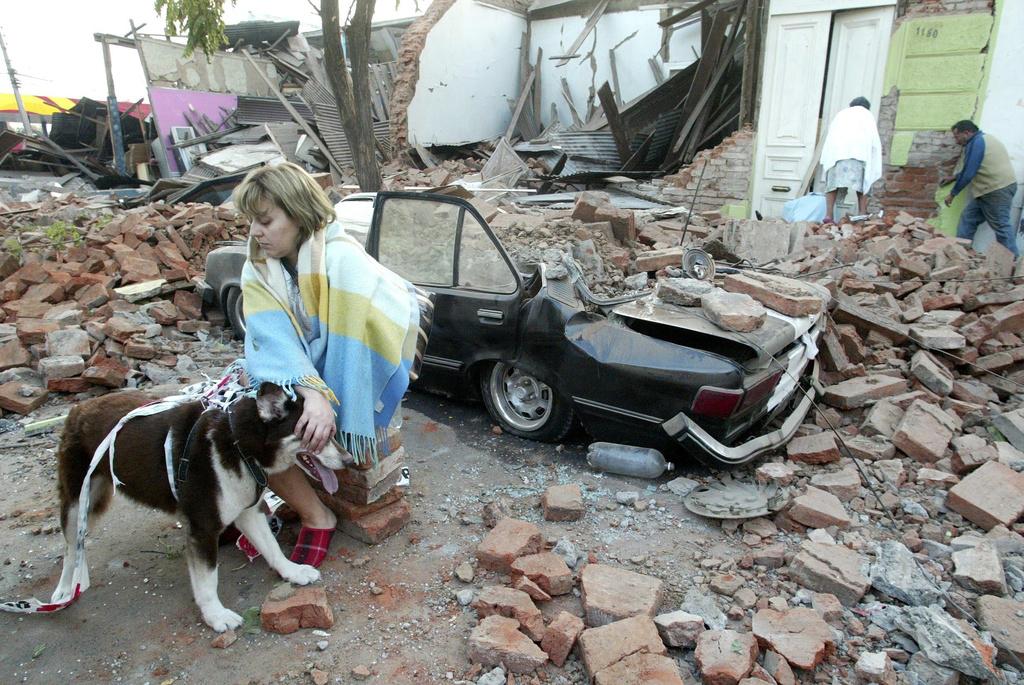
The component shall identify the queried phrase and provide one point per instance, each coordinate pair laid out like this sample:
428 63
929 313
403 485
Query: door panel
442 245
795 53
856 64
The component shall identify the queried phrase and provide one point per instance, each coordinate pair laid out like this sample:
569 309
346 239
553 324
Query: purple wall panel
171 104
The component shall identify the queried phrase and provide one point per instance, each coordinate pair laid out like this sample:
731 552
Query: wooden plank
659 76
537 104
615 76
683 14
611 113
701 103
572 108
519 106
296 116
595 16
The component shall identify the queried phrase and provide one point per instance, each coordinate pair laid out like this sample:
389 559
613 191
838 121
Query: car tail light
717 403
762 389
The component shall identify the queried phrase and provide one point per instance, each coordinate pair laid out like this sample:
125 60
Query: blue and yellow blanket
362 346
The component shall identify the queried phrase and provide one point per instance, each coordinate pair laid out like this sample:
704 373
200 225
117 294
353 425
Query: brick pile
93 300
369 503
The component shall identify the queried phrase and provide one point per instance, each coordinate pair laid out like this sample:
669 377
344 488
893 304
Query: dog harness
219 393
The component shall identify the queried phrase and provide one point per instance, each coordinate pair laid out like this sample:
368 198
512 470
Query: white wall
469 73
556 36
1003 110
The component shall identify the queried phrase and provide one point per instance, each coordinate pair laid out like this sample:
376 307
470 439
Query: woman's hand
316 425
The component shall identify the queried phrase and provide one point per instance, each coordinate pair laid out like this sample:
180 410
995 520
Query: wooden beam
537 105
615 76
298 117
576 121
659 76
592 20
683 14
520 103
611 113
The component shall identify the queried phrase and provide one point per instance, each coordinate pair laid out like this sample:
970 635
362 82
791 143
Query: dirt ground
394 604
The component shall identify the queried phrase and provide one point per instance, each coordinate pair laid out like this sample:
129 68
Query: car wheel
523 405
233 310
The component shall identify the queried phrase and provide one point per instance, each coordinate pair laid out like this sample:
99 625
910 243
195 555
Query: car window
417 240
481 265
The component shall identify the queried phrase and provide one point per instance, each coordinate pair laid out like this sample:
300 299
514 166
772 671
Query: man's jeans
994 208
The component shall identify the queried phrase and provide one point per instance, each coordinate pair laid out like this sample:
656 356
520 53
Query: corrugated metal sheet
257 110
328 122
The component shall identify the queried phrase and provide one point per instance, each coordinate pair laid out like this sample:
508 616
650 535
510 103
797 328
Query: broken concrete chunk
993 494
605 645
833 569
949 642
1004 619
980 569
784 295
725 657
679 628
896 574
507 541
800 635
683 292
733 311
496 640
611 594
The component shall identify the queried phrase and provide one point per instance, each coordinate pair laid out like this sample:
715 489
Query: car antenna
692 202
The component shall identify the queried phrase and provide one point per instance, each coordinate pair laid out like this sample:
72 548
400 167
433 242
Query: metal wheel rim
521 400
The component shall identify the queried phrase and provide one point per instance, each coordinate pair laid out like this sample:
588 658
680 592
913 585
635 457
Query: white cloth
854 135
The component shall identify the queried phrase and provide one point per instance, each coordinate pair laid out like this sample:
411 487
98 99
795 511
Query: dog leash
218 393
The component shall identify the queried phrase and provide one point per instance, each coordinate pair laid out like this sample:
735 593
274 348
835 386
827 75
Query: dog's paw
222 619
300 574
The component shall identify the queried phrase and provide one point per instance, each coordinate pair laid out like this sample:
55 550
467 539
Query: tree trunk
352 91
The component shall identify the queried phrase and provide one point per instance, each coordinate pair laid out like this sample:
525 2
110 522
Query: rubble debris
799 635
949 642
733 311
287 609
560 636
895 573
504 601
506 542
992 495
1004 619
605 645
831 568
563 503
725 657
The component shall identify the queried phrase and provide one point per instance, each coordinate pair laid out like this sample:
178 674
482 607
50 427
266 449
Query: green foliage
202 20
13 245
252 624
61 232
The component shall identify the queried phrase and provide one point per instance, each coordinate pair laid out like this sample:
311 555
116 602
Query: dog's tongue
327 477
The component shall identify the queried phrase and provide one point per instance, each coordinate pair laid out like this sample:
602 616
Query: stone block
61 367
683 292
980 569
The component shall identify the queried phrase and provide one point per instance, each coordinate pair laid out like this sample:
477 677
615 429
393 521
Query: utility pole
14 87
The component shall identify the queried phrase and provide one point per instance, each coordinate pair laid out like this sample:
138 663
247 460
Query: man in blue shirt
985 167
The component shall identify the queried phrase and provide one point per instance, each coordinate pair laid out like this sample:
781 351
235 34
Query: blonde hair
292 189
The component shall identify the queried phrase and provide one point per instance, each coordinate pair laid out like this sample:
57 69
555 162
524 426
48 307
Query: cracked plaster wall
167 67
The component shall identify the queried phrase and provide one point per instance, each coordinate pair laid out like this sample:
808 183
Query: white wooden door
856 63
791 90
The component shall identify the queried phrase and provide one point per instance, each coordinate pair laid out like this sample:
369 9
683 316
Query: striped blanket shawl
368 333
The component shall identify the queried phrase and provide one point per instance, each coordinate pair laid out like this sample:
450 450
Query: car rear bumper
695 440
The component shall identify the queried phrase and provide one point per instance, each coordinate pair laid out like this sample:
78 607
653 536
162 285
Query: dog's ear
270 402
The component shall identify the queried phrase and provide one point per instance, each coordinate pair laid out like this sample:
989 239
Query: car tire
233 310
524 406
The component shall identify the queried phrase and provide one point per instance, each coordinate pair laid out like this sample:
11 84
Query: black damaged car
543 353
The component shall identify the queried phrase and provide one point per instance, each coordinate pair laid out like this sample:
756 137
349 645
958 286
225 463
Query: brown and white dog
219 489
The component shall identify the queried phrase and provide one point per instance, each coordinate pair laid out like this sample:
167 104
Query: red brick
289 608
818 448
21 398
560 636
992 495
506 542
379 525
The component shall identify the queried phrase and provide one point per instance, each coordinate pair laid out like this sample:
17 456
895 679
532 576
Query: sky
62 58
